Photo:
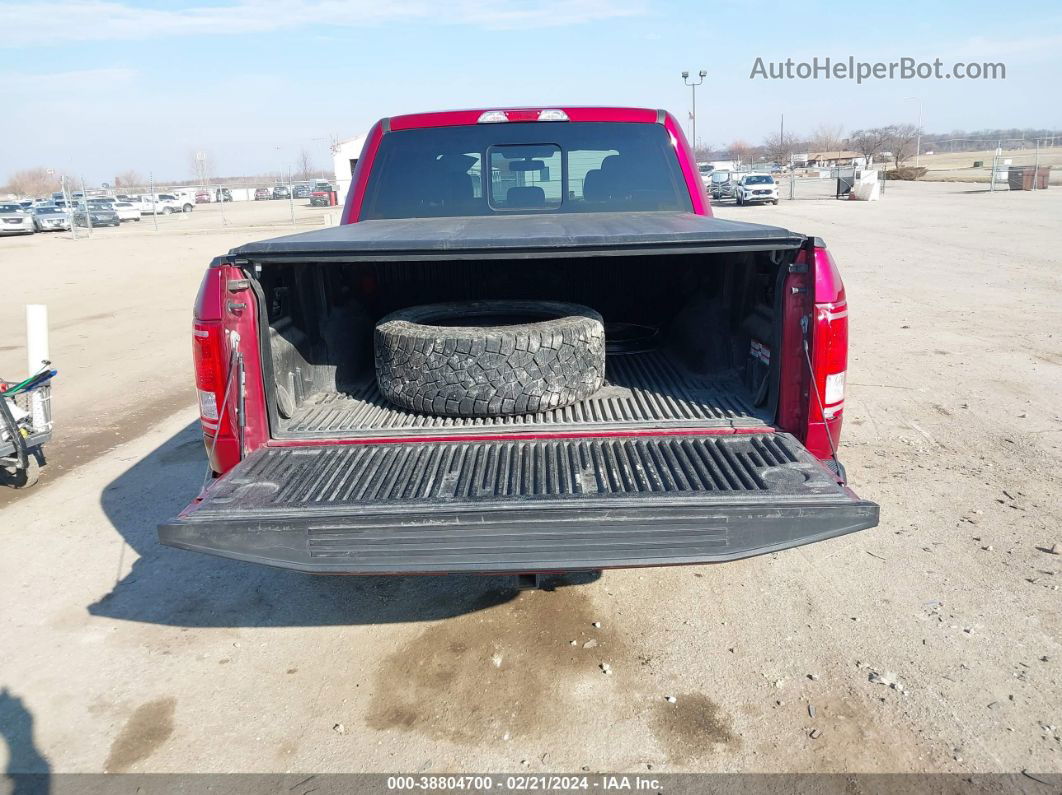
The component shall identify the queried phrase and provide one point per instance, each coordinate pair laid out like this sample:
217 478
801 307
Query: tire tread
486 371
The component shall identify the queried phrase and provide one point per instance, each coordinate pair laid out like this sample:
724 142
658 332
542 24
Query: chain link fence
1013 164
1030 167
161 206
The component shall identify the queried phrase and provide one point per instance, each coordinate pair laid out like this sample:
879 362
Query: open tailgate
519 505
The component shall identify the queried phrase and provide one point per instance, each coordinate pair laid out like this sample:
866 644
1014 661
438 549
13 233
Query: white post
36 353
36 336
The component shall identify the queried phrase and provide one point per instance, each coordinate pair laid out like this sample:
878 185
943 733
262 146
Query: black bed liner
520 505
641 391
546 235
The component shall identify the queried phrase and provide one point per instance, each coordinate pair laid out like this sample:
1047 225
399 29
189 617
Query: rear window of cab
525 167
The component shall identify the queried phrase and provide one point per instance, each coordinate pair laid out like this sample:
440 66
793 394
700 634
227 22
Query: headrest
526 196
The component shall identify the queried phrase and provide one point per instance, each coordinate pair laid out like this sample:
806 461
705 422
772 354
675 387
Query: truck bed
644 390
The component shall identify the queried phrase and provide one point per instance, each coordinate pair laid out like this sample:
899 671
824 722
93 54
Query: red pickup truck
527 348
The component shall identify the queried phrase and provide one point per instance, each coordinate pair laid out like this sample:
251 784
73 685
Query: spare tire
490 358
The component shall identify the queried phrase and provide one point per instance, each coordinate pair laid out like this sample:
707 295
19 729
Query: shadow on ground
180 588
27 771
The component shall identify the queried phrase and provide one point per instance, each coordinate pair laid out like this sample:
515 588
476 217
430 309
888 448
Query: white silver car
14 220
49 218
754 188
127 211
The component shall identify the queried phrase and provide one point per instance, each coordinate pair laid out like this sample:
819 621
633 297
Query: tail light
210 382
216 389
828 351
814 355
214 379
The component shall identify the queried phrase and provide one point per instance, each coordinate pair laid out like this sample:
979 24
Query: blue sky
93 87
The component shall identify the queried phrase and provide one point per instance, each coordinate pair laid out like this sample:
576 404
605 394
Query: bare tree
827 137
129 178
870 142
703 152
740 151
901 139
306 169
779 147
33 182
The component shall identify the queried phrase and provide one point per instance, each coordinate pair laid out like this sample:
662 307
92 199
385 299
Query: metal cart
25 427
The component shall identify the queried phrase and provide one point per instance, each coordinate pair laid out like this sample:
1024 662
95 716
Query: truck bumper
524 542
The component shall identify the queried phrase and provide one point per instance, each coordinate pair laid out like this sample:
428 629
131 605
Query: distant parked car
203 197
262 194
127 211
281 192
723 183
223 195
321 196
96 213
14 220
49 218
302 191
756 188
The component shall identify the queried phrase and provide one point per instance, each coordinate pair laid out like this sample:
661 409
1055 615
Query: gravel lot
930 643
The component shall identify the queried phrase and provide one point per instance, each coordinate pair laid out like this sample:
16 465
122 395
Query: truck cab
161 204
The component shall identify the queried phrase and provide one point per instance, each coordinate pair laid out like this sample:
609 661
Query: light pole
918 140
693 90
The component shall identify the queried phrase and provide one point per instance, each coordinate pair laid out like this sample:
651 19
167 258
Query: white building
344 158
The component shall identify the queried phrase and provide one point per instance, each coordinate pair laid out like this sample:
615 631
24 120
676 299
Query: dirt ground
117 654
120 307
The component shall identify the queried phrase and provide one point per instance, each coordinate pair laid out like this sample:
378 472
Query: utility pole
693 90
